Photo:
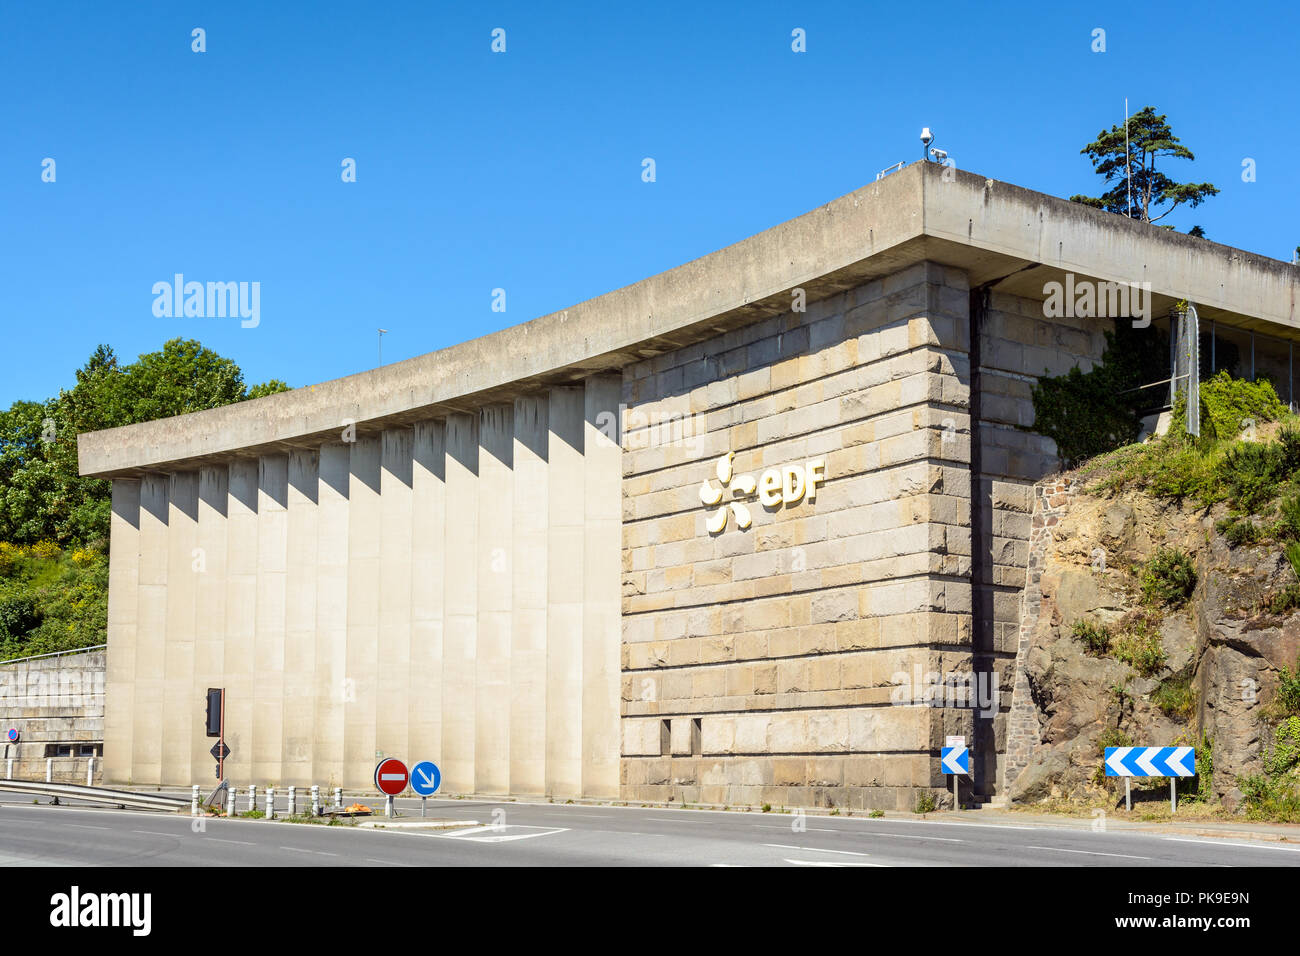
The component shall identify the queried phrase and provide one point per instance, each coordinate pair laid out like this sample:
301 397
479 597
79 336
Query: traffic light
215 695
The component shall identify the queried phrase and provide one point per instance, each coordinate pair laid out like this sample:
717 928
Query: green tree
1131 160
42 496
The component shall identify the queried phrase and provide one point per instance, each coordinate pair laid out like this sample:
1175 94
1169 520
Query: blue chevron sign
1150 762
954 760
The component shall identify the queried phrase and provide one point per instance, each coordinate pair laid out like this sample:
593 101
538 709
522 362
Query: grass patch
1093 636
1168 579
1176 698
1138 643
1275 794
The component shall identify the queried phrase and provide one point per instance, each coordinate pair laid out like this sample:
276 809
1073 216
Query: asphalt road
523 834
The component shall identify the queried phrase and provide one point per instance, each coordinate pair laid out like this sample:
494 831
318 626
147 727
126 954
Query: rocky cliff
1108 663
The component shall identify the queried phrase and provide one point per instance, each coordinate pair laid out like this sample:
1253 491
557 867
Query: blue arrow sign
425 777
1150 762
955 760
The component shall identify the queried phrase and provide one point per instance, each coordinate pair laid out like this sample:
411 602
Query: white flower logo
787 485
738 484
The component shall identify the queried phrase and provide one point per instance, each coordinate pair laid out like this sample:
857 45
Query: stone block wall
760 665
1018 344
54 702
1024 733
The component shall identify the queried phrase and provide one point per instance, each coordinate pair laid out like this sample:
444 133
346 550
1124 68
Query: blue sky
522 170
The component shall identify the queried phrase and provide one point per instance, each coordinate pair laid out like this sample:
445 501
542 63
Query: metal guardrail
36 657
72 791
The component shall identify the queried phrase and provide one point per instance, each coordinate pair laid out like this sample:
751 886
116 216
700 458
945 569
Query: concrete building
697 539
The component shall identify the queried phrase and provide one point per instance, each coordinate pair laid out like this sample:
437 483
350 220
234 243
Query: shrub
924 802
1288 524
1284 601
1238 531
1230 401
1113 737
1288 438
1292 552
1168 579
1250 473
1095 637
1286 701
18 616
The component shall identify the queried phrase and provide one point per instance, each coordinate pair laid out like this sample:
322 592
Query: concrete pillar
564 575
146 737
183 562
123 601
460 604
300 617
363 613
331 687
268 642
395 538
495 551
428 556
602 623
241 615
528 624
210 610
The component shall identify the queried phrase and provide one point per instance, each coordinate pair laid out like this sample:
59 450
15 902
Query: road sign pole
1173 794
956 803
422 799
1128 793
388 805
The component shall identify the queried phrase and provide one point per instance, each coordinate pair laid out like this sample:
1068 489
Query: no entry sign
391 776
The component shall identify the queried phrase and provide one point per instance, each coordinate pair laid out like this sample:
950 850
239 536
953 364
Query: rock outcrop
1219 643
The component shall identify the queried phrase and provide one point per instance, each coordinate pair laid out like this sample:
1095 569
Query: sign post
391 778
425 777
955 759
1171 762
216 727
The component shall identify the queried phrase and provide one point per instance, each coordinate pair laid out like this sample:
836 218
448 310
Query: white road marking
497 836
389 862
86 826
828 863
240 842
768 826
907 836
1216 842
814 849
156 833
1059 849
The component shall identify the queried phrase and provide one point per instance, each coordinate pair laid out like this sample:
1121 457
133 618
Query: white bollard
270 803
293 801
252 798
230 801
338 797
90 773
49 769
315 800
194 801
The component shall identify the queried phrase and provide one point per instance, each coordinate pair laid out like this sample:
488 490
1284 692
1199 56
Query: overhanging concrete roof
991 229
